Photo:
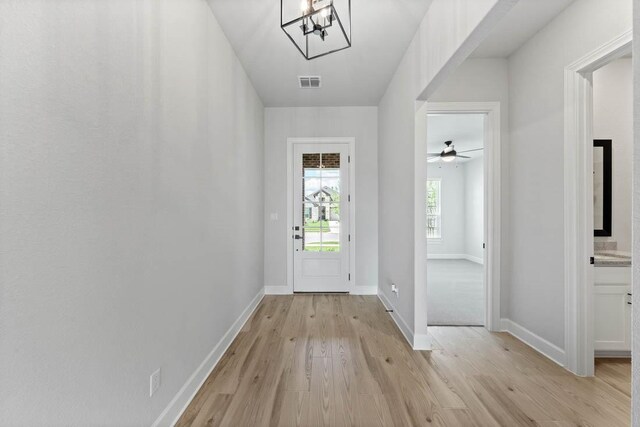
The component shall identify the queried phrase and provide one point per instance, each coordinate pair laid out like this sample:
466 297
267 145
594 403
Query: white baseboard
284 290
456 256
474 259
179 403
402 324
446 256
365 290
616 354
277 290
422 342
538 343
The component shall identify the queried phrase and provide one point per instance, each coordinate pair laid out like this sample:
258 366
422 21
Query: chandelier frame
308 31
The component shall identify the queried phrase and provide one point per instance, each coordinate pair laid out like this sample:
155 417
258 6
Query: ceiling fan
449 153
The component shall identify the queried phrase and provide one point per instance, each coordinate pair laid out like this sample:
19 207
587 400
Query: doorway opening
455 220
488 114
583 299
321 214
612 221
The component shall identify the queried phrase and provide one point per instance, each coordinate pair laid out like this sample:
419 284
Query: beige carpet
455 292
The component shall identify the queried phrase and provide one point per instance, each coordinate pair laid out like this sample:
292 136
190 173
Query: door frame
492 199
578 205
350 142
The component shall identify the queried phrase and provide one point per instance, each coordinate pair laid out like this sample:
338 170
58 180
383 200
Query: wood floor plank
322 397
453 417
340 360
499 403
372 411
213 410
345 391
615 372
324 333
300 366
294 318
442 387
294 410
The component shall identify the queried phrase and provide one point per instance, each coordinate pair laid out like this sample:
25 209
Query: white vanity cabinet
612 309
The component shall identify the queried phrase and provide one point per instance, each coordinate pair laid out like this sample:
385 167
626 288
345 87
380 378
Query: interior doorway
455 220
588 288
488 113
612 221
321 215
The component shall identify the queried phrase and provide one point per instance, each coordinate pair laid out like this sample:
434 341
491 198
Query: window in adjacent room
434 209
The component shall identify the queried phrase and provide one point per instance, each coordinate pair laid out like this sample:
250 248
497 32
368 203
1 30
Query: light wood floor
616 373
340 360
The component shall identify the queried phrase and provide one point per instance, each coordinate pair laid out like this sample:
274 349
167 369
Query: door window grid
321 202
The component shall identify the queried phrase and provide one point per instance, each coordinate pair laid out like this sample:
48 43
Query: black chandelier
315 26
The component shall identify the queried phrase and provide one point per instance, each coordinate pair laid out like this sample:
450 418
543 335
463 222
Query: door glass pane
331 238
312 228
311 177
321 204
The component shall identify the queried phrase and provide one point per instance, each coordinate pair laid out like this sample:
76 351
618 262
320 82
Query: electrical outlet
154 382
394 289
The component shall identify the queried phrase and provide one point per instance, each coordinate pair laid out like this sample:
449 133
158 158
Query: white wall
474 208
358 122
450 30
635 327
487 80
131 193
613 119
536 74
453 209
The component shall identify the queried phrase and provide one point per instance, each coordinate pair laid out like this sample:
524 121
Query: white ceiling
522 22
465 130
381 32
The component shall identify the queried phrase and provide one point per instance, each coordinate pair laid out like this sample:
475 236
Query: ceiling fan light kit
448 157
317 27
449 154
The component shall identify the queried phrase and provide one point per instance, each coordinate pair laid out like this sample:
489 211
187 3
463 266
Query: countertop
611 258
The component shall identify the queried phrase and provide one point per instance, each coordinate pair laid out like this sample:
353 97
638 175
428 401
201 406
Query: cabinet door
612 318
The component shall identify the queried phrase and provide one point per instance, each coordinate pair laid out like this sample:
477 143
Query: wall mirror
602 187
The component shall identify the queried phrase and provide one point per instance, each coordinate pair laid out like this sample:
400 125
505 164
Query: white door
321 217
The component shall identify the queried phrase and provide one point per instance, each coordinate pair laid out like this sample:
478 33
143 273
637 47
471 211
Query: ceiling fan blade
433 159
433 154
463 157
468 151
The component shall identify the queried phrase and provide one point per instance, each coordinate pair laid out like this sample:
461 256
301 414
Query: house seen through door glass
321 202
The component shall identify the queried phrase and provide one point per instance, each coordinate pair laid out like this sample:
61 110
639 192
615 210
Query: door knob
297 237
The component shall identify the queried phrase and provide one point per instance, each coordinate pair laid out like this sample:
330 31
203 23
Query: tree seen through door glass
321 204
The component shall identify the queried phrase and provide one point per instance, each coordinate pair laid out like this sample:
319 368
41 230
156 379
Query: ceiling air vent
309 82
